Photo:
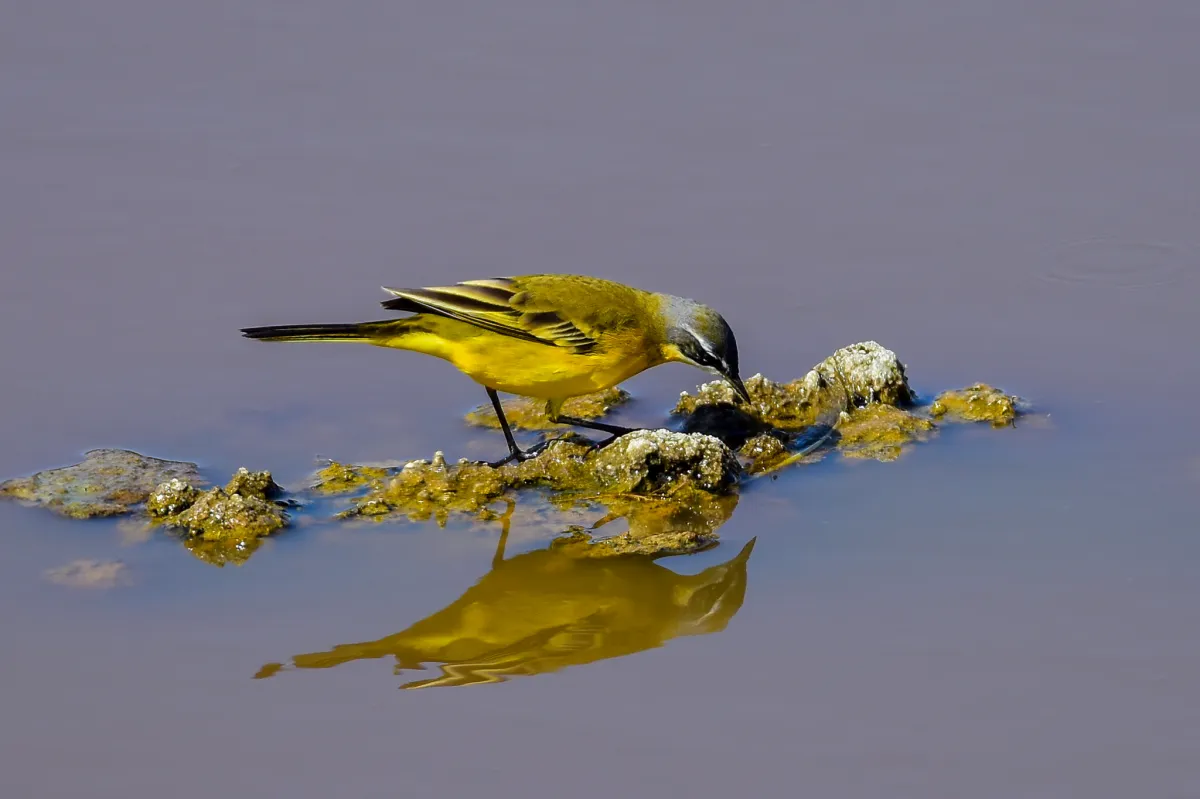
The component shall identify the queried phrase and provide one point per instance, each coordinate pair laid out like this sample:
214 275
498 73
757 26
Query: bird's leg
607 441
515 453
615 430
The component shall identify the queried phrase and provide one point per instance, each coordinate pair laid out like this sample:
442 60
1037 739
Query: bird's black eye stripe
701 356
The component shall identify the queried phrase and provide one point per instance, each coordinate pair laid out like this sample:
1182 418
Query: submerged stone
93 574
526 413
977 403
108 482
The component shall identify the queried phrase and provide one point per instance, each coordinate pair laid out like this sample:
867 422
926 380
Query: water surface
1003 192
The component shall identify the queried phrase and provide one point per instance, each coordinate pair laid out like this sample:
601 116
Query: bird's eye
703 357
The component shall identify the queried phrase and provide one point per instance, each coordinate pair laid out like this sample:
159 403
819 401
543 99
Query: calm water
1005 192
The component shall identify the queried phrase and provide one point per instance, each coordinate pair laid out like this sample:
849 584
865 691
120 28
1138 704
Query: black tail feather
405 304
334 332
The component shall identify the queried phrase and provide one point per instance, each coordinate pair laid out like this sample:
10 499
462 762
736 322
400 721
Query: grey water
1003 192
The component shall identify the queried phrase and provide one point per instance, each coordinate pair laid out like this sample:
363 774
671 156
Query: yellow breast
536 370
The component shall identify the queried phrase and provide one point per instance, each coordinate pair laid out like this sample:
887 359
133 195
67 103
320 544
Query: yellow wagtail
546 336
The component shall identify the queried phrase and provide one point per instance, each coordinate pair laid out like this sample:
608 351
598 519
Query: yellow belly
527 368
536 370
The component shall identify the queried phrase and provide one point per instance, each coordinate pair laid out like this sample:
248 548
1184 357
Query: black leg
616 430
515 453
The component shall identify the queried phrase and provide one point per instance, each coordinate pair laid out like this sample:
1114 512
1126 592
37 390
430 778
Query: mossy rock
107 482
977 403
881 432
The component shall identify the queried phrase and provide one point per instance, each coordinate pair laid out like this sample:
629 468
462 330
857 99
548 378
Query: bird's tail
362 331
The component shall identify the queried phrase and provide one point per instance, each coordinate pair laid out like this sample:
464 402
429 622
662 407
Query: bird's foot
521 455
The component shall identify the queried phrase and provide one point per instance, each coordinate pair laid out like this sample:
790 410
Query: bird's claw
522 455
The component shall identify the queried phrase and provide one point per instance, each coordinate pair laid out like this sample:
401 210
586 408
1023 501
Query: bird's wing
499 305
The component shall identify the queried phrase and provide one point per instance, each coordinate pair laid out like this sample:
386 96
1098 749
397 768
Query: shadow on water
543 611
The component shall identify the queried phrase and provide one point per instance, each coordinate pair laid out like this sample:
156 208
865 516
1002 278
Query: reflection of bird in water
545 610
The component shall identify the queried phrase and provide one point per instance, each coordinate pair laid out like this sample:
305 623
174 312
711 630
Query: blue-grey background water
1000 192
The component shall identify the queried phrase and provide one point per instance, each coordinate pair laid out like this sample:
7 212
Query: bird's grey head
698 335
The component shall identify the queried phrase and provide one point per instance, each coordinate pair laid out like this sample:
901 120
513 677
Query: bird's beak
739 388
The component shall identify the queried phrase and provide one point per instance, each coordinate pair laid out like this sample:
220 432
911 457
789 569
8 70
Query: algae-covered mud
543 611
672 488
90 574
223 524
107 482
977 403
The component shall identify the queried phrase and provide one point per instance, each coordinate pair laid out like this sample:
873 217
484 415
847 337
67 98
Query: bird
545 336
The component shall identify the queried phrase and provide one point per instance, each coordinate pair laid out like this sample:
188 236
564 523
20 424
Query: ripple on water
1119 264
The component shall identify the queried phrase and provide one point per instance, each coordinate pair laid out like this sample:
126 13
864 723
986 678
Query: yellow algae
643 462
881 432
222 524
860 374
763 453
525 413
977 403
342 478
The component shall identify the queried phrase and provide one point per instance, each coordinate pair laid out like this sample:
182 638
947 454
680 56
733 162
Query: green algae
881 432
172 497
647 462
341 478
763 453
976 403
107 482
858 375
424 490
242 508
526 413
221 525
855 398
657 461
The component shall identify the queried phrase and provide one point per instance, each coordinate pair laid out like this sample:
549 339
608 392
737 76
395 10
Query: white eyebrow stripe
703 344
